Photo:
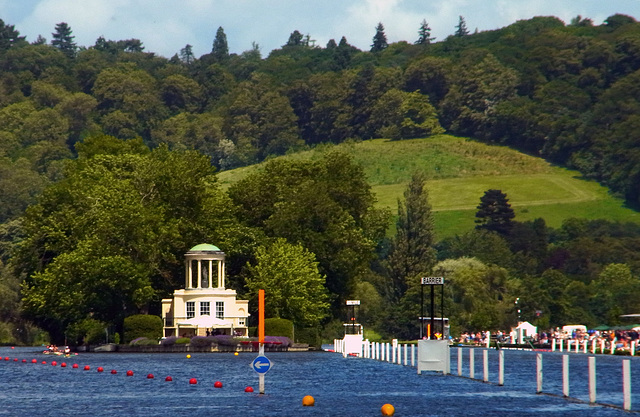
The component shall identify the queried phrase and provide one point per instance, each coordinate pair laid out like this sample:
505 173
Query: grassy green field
460 170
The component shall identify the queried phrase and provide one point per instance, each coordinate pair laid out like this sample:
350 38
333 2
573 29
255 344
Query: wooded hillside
566 92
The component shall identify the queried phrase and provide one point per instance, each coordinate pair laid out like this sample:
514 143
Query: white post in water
471 364
485 365
553 345
413 355
613 346
387 356
405 354
592 379
538 373
501 367
577 345
602 346
626 384
593 346
488 339
565 375
633 348
561 344
586 342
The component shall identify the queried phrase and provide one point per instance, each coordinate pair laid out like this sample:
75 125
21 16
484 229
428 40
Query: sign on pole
432 280
353 302
261 364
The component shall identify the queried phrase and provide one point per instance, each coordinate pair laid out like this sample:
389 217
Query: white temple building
205 306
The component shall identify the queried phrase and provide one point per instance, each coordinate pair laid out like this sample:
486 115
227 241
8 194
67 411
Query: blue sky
166 26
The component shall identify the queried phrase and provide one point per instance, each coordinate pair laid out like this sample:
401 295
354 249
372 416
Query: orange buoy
87 368
217 384
193 381
100 369
113 372
75 366
150 376
308 401
168 379
63 365
388 410
129 372
248 389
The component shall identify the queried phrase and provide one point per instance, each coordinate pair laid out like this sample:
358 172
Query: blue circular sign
261 364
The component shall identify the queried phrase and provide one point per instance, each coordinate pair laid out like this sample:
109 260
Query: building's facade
205 306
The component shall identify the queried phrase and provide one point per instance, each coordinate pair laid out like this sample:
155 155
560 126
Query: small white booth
524 329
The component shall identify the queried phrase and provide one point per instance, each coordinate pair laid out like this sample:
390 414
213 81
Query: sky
166 26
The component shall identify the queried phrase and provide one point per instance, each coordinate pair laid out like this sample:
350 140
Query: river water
340 386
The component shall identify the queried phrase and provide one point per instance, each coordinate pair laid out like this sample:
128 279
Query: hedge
278 327
142 325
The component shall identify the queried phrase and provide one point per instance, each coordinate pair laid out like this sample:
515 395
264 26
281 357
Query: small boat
59 351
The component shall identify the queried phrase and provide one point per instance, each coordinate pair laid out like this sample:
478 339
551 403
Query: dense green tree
294 287
9 36
186 55
181 93
220 49
295 39
411 253
62 39
424 34
325 205
379 39
401 115
495 213
613 293
107 240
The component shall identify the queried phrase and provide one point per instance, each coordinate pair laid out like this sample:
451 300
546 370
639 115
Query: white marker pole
565 375
459 361
539 373
501 367
592 379
626 383
485 365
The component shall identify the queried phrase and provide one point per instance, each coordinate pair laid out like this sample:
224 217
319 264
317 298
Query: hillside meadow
460 170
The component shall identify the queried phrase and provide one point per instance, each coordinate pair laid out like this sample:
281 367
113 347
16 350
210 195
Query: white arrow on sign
261 364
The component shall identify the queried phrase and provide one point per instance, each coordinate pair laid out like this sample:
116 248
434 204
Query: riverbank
187 348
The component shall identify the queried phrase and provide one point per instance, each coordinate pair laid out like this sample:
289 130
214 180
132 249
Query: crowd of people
621 338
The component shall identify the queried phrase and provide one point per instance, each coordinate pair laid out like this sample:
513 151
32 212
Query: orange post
261 316
428 331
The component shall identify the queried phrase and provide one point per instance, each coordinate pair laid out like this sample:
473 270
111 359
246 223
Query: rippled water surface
341 387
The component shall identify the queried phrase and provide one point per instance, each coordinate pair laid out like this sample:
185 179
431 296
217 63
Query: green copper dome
205 247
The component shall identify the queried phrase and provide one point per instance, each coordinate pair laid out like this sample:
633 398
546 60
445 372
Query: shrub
116 338
89 331
201 341
278 327
224 340
146 342
183 341
169 341
137 340
310 336
142 325
280 341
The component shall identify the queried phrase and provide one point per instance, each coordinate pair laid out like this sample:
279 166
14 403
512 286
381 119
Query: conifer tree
424 34
412 253
63 40
9 36
461 28
379 39
186 54
220 50
495 213
295 39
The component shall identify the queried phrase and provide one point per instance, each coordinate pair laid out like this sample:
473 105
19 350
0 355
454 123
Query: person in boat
67 350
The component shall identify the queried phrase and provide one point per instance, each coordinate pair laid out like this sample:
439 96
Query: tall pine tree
424 34
461 28
379 39
63 40
9 36
220 50
412 254
495 213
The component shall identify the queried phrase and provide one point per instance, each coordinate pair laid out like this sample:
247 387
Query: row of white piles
592 345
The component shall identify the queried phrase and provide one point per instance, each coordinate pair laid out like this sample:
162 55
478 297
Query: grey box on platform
433 355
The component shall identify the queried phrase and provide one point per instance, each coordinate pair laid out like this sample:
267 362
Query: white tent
206 322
